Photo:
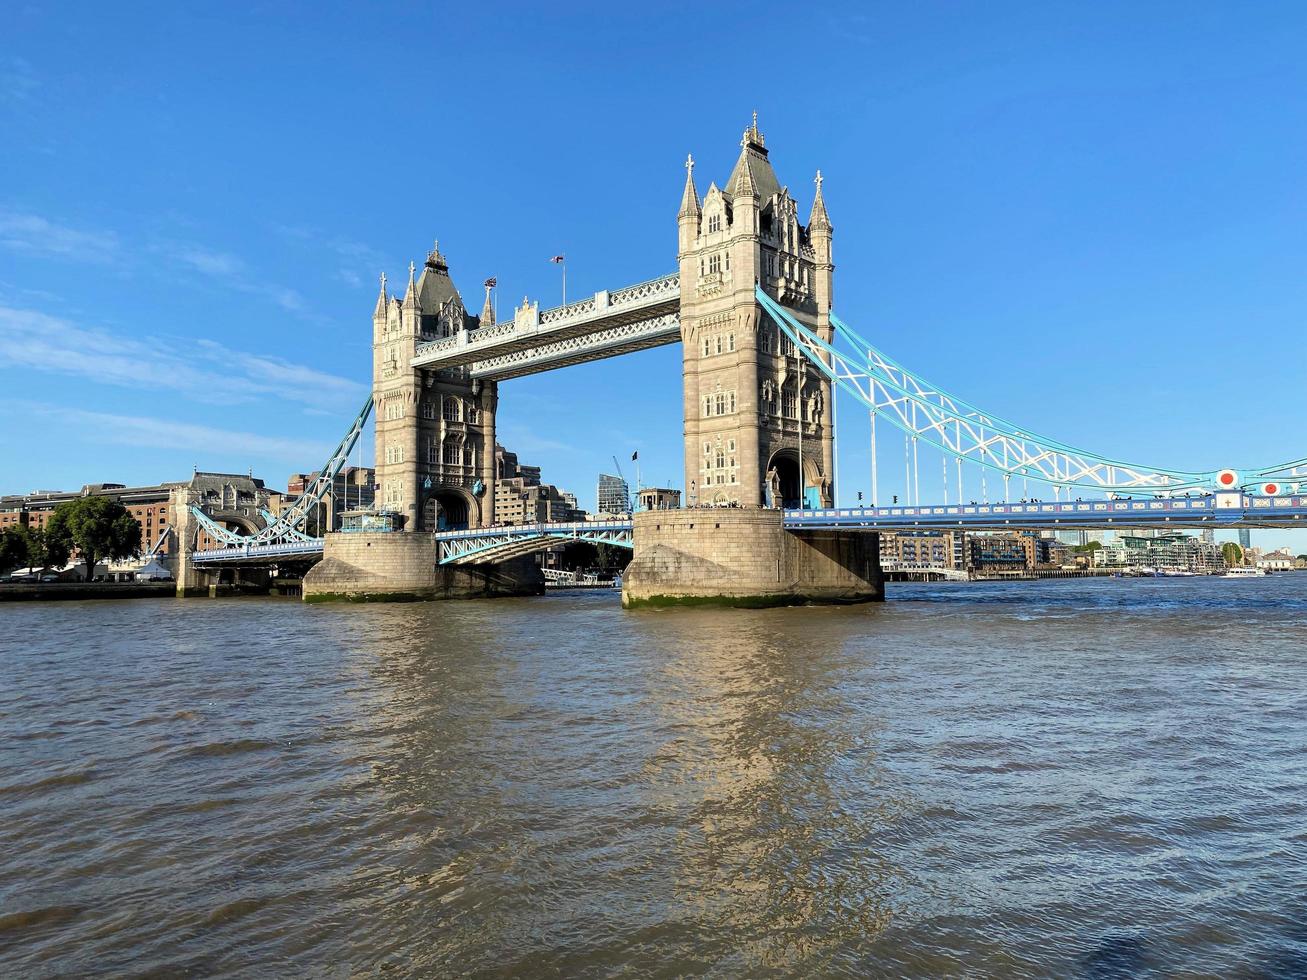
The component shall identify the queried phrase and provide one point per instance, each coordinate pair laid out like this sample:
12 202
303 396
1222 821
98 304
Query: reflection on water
1069 778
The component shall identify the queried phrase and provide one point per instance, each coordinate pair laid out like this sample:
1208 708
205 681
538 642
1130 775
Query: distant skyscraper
1245 538
1208 535
614 495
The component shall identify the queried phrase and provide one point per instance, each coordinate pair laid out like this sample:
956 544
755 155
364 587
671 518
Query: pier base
400 567
736 557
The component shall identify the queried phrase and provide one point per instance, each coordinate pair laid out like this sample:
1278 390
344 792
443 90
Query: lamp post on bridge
562 260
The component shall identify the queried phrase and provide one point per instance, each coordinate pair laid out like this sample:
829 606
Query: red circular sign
1227 478
1271 489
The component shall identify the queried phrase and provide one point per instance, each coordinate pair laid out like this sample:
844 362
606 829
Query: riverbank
45 591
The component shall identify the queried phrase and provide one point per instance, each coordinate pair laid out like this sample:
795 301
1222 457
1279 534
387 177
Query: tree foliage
1233 553
13 548
97 527
30 547
1088 547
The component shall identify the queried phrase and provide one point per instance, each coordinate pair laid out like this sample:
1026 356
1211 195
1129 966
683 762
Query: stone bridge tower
751 406
435 429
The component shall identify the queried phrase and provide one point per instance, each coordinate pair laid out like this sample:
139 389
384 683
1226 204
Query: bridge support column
744 557
399 567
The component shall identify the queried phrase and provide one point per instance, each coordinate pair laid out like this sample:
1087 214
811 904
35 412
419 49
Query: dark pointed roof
435 288
753 168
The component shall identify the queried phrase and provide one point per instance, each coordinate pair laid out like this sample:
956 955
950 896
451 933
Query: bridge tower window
714 223
451 409
428 409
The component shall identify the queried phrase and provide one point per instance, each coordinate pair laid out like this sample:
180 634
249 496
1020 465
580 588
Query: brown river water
1074 778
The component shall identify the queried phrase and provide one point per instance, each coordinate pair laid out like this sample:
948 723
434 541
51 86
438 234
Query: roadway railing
294 548
1220 508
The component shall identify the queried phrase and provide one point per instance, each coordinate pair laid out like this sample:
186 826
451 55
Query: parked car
49 578
27 577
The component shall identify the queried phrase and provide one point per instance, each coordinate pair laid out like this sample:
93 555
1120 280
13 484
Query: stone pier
398 566
744 557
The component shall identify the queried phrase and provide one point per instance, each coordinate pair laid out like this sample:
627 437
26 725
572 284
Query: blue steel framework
965 433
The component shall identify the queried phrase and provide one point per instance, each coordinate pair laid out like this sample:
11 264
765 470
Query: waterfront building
1276 561
1245 538
508 467
923 549
1162 553
239 497
1002 552
614 495
659 498
520 502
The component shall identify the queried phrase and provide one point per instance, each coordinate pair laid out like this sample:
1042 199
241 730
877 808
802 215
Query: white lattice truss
962 431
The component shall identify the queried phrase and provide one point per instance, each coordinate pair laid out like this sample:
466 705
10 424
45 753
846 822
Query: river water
1071 778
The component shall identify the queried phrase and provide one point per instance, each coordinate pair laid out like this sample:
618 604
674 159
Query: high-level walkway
609 323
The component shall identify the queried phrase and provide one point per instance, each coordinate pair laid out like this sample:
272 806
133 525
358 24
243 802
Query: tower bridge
762 353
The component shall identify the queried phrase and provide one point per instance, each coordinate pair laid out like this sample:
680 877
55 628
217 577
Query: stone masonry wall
745 557
399 566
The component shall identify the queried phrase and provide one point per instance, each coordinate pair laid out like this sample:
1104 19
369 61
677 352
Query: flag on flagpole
635 455
557 258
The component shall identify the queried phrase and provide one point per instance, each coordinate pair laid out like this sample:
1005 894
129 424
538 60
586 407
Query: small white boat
1244 571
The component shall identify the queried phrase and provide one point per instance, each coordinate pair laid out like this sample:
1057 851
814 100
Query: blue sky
1089 216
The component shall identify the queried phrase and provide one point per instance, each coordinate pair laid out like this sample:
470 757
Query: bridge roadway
606 324
1221 511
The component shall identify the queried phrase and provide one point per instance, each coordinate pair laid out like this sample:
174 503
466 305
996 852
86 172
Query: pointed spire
690 198
488 310
745 185
411 294
819 220
380 308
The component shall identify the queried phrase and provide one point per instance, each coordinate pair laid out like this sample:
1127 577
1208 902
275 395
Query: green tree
98 527
1085 548
13 548
45 550
1233 553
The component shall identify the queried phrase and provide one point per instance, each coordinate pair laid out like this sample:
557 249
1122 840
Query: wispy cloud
33 234
37 235
204 371
356 262
148 432
233 272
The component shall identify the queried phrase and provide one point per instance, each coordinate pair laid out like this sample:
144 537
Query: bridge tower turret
435 429
756 417
395 388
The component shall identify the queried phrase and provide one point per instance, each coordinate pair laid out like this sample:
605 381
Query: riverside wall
744 557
